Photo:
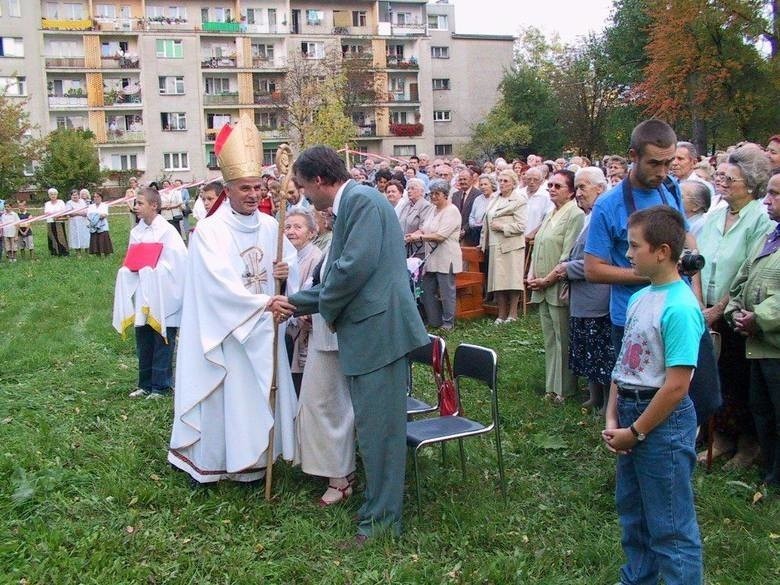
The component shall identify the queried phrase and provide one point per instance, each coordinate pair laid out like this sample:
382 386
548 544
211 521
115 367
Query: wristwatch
639 436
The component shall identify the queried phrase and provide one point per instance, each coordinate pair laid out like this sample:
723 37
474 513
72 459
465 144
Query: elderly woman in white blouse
441 233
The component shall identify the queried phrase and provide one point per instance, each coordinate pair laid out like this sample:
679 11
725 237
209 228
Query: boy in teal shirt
650 420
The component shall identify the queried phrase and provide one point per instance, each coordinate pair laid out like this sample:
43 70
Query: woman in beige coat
503 240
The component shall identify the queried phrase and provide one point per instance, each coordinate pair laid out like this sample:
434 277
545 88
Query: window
14 8
221 14
73 12
155 12
437 21
11 47
169 49
112 48
178 12
398 117
254 16
105 11
124 162
261 51
171 85
402 18
13 86
441 84
442 150
395 51
217 85
313 50
404 150
314 17
216 121
267 120
176 161
62 49
441 116
173 121
358 18
440 52
265 85
69 122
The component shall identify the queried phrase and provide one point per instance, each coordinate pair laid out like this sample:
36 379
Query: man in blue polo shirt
653 146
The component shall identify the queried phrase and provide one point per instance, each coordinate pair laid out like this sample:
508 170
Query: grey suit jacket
586 299
365 289
464 202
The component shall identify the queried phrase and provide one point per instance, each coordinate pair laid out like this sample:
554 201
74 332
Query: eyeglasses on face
556 186
730 180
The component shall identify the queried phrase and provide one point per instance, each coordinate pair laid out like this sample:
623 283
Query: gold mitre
239 150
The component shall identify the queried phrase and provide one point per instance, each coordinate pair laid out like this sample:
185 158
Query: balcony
120 62
65 62
266 63
121 99
410 29
267 29
272 132
119 24
67 101
394 62
221 27
366 130
211 134
221 99
352 31
125 137
165 23
218 62
406 129
60 24
268 98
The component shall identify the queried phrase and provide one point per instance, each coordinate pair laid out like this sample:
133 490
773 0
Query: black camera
690 263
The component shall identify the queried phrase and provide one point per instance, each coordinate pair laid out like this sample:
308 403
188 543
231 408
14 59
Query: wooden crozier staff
283 167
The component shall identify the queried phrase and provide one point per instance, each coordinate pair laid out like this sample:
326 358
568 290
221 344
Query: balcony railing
126 62
354 31
408 29
113 98
61 24
266 63
358 56
221 27
406 129
269 29
218 62
272 132
211 134
271 98
164 23
64 62
394 62
66 101
220 99
366 130
119 24
122 136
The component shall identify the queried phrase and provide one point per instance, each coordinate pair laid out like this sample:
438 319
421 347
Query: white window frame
155 12
318 51
263 51
442 150
13 86
404 150
105 11
315 17
176 161
267 120
359 18
12 46
442 116
169 49
438 22
179 12
216 85
124 162
171 84
177 121
443 83
438 52
15 8
73 11
401 117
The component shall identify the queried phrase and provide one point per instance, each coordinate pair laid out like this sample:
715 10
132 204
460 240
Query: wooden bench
470 285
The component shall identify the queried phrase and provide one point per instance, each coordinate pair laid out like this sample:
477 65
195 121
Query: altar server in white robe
151 298
222 412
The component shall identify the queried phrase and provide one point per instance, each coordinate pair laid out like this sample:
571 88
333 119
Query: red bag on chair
448 394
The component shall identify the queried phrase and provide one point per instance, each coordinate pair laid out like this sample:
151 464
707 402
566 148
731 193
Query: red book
142 255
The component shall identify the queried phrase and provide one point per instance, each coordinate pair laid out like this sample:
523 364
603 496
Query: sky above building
569 18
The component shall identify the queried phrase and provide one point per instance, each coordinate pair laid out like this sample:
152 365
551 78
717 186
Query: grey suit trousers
379 402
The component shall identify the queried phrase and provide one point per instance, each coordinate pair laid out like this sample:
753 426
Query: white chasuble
152 296
224 363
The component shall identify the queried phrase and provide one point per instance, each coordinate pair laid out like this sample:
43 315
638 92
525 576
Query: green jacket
756 288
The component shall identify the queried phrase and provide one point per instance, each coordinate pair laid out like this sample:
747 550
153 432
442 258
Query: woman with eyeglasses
444 259
728 236
554 240
503 240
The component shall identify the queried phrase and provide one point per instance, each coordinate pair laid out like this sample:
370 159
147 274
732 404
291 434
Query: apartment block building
155 80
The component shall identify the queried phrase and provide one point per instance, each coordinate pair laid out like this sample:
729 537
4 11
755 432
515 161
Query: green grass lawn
87 495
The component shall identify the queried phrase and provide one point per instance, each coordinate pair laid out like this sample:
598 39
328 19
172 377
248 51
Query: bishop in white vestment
222 413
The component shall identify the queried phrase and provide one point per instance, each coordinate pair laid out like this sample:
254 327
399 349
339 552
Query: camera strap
628 193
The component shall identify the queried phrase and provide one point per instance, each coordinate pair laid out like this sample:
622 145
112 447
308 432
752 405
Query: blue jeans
654 499
155 358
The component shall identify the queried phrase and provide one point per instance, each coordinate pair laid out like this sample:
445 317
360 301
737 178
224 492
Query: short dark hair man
364 291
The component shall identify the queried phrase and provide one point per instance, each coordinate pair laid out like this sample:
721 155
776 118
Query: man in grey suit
365 296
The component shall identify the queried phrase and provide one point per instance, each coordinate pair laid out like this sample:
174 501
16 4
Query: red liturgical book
142 255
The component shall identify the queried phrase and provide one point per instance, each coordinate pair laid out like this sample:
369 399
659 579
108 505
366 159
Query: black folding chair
422 355
477 363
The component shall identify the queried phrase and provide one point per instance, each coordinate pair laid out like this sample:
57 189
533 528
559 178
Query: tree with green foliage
330 124
497 135
19 148
70 161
